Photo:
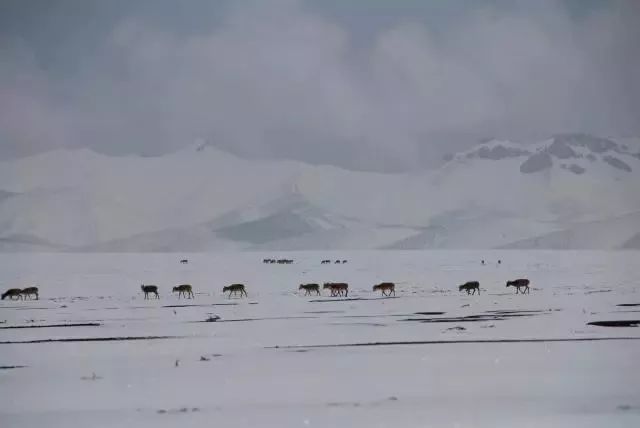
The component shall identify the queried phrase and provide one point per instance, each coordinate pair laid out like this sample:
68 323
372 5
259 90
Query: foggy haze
364 85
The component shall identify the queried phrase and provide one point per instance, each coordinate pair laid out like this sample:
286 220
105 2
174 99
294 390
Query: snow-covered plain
265 363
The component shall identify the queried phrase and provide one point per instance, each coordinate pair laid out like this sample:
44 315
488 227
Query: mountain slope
499 194
607 234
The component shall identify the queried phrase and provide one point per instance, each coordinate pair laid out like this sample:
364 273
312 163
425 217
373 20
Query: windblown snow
563 193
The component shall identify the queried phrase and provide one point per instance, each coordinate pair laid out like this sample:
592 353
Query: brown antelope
234 289
518 284
337 288
149 289
385 287
11 293
470 286
309 288
184 290
27 292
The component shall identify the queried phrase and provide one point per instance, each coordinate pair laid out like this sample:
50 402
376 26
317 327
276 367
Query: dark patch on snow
616 323
324 312
368 324
11 367
536 162
472 318
628 304
454 342
351 299
518 311
498 315
257 319
617 163
90 339
429 313
190 305
86 324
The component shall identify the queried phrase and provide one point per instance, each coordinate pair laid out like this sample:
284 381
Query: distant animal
309 288
470 286
337 261
324 262
29 291
482 262
184 261
234 289
337 288
518 284
385 287
11 293
149 289
499 261
344 261
184 290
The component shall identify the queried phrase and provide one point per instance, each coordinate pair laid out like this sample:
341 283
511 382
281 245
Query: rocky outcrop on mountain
497 152
617 163
576 169
536 163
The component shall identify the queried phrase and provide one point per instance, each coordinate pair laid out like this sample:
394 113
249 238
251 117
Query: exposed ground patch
91 339
257 319
323 312
351 299
616 323
498 315
195 304
86 324
452 342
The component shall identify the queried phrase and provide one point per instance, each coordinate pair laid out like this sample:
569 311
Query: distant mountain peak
574 152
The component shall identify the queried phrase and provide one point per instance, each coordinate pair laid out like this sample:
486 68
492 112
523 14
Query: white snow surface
204 199
262 364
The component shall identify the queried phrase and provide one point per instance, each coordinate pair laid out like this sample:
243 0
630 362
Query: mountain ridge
202 198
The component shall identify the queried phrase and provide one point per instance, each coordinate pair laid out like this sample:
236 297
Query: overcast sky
368 84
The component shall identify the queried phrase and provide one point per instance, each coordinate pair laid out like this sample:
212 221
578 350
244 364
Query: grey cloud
284 80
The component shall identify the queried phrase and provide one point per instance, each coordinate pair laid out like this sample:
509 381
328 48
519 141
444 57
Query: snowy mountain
565 192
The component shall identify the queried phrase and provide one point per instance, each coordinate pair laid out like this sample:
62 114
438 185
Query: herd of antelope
336 289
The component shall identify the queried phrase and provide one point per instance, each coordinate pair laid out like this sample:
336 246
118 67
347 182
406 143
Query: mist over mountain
566 192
